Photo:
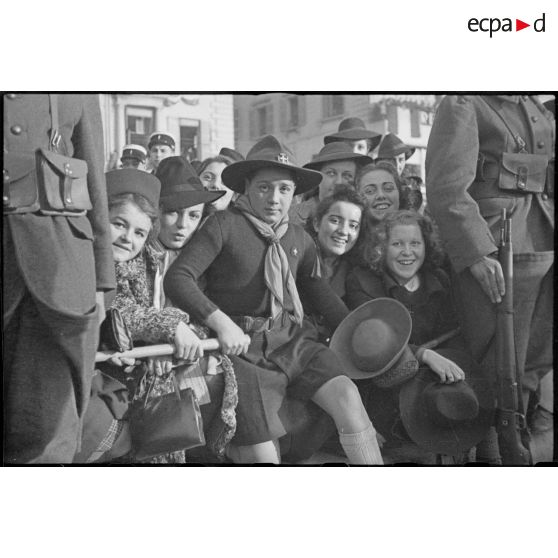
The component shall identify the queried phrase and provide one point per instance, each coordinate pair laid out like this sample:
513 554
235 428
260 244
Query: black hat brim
234 176
357 157
355 134
184 199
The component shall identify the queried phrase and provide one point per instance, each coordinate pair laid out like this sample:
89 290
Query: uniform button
540 144
5 176
544 197
11 95
5 200
16 130
534 118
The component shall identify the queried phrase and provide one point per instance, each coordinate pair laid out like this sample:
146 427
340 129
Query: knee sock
362 447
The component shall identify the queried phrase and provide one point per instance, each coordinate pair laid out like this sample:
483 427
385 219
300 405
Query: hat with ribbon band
447 419
161 138
269 153
371 343
336 151
353 129
134 151
392 146
181 186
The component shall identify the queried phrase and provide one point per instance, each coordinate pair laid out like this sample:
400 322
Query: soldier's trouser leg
47 383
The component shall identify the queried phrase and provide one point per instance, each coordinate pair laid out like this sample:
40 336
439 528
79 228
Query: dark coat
61 260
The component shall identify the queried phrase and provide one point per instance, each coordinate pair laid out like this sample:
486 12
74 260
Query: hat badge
283 158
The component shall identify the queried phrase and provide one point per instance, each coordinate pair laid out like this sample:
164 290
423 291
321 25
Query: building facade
302 121
201 124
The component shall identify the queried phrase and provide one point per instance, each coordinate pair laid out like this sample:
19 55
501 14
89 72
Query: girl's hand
159 365
187 344
118 361
232 339
448 371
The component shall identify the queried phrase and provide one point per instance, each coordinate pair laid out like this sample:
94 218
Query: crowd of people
352 313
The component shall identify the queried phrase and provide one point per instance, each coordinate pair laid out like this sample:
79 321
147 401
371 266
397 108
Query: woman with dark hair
382 188
335 227
210 175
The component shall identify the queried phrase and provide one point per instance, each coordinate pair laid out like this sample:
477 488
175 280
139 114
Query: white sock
362 447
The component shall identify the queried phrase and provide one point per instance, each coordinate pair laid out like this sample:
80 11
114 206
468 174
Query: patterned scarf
277 272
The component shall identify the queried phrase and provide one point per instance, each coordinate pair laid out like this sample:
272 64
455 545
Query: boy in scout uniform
487 153
255 264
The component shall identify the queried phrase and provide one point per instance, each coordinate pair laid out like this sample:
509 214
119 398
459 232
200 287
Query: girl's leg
266 452
339 397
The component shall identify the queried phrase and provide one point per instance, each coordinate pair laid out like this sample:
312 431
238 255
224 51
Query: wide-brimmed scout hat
161 138
134 181
181 186
134 151
353 129
231 154
447 419
392 146
371 343
269 152
336 151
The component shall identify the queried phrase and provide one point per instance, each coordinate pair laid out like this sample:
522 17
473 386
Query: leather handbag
114 334
165 424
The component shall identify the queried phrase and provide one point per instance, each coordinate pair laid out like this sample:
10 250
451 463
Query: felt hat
551 106
134 181
161 138
353 129
371 342
134 151
181 186
269 152
392 146
336 151
451 418
231 154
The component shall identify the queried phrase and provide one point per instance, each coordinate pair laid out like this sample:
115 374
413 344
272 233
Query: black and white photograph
284 278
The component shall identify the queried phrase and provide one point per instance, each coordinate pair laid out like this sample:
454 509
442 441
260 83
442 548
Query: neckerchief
277 271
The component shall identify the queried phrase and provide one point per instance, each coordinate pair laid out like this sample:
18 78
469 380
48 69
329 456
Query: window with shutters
292 112
333 105
392 118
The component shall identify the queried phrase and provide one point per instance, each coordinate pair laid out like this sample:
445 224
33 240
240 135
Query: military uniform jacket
473 172
61 260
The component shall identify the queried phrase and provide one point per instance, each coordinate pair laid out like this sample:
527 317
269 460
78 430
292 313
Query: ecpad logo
494 24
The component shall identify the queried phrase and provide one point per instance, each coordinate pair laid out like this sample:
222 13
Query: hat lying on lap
392 146
266 153
371 343
133 181
447 419
336 151
180 185
353 129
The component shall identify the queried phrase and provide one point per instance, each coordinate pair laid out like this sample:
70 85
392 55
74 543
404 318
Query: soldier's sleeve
87 139
451 164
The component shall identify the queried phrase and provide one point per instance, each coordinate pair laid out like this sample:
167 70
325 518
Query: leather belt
256 324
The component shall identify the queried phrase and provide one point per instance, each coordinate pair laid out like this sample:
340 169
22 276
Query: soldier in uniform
57 263
133 157
487 153
161 145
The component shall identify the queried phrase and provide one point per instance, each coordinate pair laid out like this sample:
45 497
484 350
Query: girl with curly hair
402 259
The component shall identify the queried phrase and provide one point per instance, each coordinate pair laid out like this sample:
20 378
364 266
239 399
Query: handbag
165 424
114 334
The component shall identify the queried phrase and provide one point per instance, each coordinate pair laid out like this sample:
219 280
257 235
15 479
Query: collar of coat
429 282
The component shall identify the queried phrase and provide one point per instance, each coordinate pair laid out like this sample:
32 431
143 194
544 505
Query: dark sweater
231 254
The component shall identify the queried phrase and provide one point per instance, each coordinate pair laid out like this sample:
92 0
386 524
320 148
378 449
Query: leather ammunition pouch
523 172
45 182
